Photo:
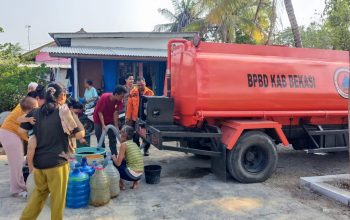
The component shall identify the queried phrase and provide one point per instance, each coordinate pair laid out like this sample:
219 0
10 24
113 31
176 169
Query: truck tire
253 159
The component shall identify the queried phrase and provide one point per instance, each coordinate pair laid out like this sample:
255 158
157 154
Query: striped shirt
133 156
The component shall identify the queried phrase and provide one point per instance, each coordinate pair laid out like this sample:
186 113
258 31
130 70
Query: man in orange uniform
132 108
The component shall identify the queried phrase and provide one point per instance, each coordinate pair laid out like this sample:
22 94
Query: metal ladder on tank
314 131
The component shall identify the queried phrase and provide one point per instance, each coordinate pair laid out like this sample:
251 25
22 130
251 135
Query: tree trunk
272 23
255 18
293 22
224 33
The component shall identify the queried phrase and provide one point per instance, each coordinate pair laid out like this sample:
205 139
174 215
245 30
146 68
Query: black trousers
111 138
136 139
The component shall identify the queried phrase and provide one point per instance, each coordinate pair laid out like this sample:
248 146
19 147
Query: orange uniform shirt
132 108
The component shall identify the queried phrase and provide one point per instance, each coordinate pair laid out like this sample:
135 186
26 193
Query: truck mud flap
218 164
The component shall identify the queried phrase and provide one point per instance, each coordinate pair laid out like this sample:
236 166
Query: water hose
104 132
102 139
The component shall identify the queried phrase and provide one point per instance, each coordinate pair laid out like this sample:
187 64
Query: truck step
328 132
318 135
327 150
194 151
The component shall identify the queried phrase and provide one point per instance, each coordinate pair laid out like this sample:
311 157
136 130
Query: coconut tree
260 2
186 12
245 21
293 22
273 18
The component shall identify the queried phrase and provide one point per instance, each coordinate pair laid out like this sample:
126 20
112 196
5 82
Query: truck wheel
253 159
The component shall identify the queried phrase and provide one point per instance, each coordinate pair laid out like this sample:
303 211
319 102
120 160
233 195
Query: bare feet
121 185
135 185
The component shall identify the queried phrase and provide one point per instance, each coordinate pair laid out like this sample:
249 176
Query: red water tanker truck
236 103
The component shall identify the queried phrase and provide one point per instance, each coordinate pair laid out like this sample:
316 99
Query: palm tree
273 18
260 2
186 13
247 19
293 22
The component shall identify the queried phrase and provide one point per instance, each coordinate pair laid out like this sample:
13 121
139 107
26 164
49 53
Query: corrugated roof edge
107 51
121 34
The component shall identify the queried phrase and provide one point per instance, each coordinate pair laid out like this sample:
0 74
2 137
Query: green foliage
28 57
1 29
186 12
338 23
243 38
253 21
9 51
314 36
241 21
329 32
293 23
14 78
14 81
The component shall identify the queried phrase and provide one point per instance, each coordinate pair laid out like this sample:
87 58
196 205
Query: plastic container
78 190
99 185
89 151
152 174
94 164
97 158
86 168
114 178
73 163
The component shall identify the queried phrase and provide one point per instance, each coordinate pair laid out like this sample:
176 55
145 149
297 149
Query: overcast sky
45 16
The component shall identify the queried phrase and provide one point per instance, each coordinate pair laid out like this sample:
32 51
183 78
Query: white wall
60 76
153 43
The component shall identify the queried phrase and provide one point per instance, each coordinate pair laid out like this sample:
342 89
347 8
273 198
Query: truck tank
215 80
237 103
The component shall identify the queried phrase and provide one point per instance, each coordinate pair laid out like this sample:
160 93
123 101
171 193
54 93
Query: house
58 66
106 58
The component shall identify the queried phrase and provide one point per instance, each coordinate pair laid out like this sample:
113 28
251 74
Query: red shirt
107 107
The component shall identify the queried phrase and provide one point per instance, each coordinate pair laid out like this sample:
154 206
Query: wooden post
141 69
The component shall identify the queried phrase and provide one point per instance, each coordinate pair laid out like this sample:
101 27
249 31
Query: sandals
23 195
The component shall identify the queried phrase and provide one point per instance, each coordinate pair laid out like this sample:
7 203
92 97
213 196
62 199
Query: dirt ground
295 164
188 190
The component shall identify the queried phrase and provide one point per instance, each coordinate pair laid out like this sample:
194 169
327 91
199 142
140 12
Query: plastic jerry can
86 168
72 164
114 178
99 185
